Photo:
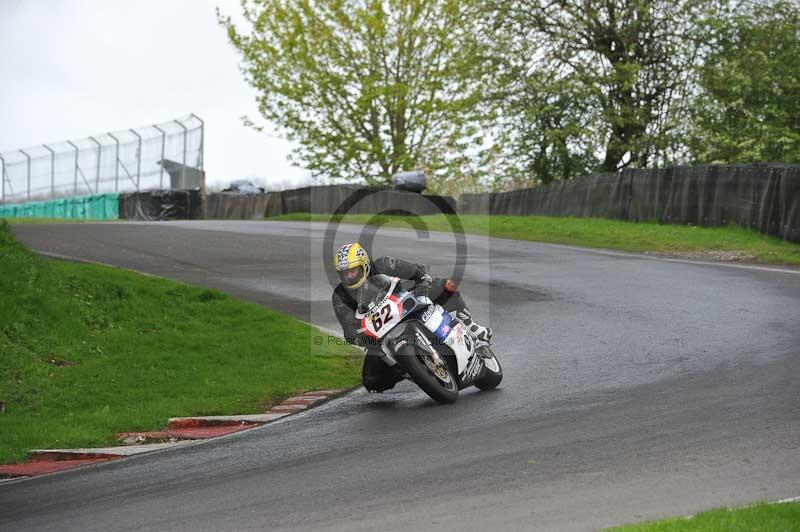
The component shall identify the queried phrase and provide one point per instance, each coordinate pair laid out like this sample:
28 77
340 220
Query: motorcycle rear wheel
441 391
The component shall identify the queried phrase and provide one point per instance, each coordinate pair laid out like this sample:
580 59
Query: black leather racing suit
376 375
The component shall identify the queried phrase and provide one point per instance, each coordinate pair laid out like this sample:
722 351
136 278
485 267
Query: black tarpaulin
161 205
764 197
350 199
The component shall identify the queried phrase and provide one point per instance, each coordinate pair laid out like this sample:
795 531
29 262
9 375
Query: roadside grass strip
765 517
179 431
731 243
90 352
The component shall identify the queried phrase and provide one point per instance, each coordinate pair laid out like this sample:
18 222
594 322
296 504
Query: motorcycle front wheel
434 376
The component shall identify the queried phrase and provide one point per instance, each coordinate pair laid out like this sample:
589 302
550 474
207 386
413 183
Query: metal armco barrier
764 197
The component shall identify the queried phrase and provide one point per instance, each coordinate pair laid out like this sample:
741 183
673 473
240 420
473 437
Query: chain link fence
120 161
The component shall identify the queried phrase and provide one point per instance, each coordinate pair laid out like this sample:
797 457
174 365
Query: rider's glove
423 286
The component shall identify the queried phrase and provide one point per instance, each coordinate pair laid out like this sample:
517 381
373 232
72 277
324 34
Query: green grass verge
87 351
784 517
596 233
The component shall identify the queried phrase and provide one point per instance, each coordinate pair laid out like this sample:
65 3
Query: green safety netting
96 207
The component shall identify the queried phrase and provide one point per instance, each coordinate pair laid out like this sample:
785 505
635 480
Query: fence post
202 140
183 168
75 188
116 162
52 170
29 172
163 146
138 159
97 171
3 178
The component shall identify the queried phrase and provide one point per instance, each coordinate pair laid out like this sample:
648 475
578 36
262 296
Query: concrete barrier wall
765 197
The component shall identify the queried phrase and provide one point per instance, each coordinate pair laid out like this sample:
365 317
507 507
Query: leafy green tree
604 82
366 87
544 133
748 108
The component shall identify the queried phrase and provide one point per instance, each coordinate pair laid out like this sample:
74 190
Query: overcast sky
74 68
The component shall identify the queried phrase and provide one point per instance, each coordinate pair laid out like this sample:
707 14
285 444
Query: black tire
409 358
490 378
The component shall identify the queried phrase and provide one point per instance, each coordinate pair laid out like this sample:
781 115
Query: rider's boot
376 376
479 332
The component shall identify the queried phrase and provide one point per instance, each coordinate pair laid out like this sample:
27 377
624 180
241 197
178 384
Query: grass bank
731 242
87 351
783 517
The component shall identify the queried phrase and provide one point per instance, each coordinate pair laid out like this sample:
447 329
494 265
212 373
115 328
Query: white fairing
457 339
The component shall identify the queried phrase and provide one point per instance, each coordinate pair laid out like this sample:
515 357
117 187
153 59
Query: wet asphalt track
634 389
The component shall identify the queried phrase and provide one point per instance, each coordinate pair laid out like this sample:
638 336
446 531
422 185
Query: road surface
635 388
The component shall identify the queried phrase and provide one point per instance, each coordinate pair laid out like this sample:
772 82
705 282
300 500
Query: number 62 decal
375 324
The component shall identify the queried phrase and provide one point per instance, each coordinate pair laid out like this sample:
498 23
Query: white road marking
771 269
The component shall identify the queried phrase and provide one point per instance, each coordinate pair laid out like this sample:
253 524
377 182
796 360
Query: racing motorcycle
424 343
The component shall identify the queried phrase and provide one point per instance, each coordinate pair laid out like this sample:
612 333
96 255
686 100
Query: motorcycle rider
353 266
